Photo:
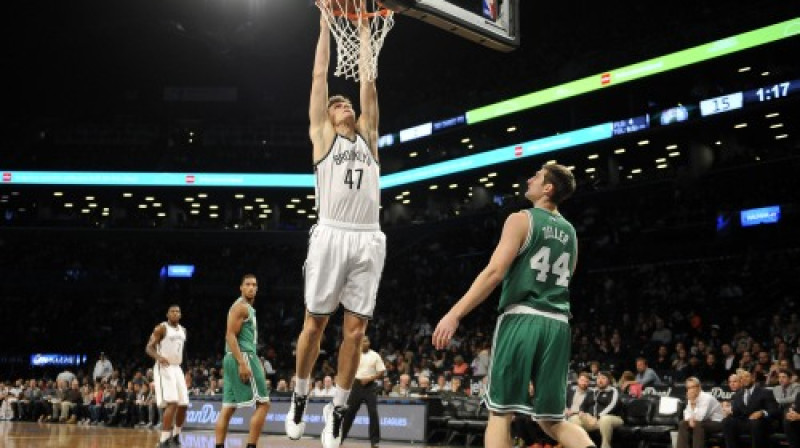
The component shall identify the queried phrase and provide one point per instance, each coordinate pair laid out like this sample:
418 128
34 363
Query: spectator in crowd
729 361
786 391
712 371
460 368
577 395
66 376
402 388
601 409
702 414
751 408
102 368
791 423
629 386
663 362
645 375
387 387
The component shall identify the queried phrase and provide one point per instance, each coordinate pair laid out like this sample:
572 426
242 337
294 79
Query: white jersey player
166 346
347 248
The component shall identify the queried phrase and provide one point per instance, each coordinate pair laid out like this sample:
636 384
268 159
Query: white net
347 19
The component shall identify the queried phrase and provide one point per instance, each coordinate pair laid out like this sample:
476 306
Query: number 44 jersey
540 274
347 183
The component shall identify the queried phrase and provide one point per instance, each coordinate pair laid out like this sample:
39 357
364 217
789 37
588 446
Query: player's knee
354 335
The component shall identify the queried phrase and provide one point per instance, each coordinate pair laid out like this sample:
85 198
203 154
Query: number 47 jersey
348 183
540 274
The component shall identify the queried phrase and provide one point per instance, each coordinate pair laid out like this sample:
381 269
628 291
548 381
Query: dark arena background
136 134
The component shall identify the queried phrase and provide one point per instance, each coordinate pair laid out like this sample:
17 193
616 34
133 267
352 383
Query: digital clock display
772 92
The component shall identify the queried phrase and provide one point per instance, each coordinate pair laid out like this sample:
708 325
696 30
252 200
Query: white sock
176 430
340 396
301 386
165 435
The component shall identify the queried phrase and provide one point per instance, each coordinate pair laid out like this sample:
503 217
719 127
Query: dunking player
535 259
166 348
245 383
347 248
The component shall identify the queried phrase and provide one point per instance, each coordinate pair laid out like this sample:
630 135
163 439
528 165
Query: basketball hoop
346 20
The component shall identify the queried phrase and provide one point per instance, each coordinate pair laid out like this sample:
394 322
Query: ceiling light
248 207
571 167
239 196
465 140
672 147
550 162
470 146
290 206
433 187
782 136
590 170
661 166
593 156
156 204
492 174
744 69
717 142
149 199
90 198
740 126
194 212
105 213
453 186
413 154
511 129
776 126
483 179
772 115
58 193
312 216
490 185
674 154
301 211
127 195
262 216
259 199
764 73
661 160
213 207
643 142
407 201
202 195
619 151
399 197
162 214
636 170
189 199
310 196
263 206
85 210
196 205
92 205
515 186
142 205
68 205
213 215
295 200
406 193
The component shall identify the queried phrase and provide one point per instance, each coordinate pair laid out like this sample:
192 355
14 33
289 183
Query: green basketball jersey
248 334
539 276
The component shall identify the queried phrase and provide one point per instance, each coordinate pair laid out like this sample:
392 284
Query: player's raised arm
368 121
236 318
318 106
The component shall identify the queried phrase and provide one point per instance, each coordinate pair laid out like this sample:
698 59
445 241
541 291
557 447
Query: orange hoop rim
381 11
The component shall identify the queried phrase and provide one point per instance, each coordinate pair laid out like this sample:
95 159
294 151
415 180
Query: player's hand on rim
445 330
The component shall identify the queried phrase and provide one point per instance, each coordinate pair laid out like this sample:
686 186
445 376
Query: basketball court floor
47 435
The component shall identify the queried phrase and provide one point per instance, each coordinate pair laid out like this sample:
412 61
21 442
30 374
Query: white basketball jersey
347 183
171 347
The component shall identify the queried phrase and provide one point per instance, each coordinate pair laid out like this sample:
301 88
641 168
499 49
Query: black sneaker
176 441
294 424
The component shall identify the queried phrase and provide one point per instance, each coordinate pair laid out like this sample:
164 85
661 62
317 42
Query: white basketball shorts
344 265
170 385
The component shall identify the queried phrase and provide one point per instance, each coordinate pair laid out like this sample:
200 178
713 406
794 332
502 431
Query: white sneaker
295 426
332 431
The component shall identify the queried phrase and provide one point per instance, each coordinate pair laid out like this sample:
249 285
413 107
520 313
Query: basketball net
346 20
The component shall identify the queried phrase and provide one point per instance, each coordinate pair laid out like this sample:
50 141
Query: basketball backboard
493 23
